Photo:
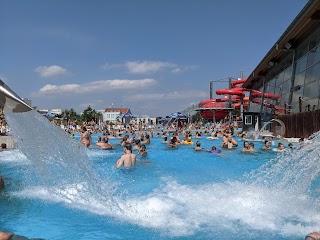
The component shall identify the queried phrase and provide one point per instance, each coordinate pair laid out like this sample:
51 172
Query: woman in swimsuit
246 147
85 137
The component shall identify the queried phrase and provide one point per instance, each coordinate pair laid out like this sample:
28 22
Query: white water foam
181 210
13 155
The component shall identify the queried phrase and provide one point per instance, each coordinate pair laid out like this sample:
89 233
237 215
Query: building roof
307 19
121 110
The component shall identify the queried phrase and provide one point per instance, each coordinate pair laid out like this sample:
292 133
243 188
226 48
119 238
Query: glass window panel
270 89
295 99
313 56
286 86
301 64
279 79
272 82
299 79
303 49
296 95
313 73
311 90
314 39
287 73
284 99
278 90
248 120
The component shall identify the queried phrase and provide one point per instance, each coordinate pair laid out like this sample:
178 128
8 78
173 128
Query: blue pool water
56 189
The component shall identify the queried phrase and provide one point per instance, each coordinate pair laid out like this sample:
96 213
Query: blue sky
155 57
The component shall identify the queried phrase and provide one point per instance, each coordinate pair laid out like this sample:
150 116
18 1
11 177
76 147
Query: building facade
289 75
111 114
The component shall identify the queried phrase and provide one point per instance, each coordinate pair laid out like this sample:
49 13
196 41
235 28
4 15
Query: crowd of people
132 141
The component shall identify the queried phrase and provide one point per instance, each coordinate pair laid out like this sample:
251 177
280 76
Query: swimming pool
59 190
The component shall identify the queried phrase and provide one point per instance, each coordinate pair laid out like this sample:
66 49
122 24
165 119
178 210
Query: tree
73 115
89 114
70 114
196 117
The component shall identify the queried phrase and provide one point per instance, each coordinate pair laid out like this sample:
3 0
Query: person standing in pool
128 159
280 147
266 145
198 146
85 137
229 142
105 144
142 151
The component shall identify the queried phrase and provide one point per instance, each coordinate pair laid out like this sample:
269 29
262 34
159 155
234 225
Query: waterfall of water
59 163
294 169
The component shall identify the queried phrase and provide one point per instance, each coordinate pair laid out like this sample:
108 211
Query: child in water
214 150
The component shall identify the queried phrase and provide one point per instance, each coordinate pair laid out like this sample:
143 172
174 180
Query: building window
314 39
313 73
286 87
301 64
295 99
303 49
299 79
313 56
248 120
311 90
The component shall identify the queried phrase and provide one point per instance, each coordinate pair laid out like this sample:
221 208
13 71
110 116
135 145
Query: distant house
112 114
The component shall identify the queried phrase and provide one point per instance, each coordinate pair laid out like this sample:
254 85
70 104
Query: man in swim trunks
128 159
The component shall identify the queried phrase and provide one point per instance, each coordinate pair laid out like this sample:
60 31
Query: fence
300 124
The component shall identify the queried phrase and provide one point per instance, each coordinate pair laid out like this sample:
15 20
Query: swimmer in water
198 146
105 144
165 140
142 151
214 150
173 143
128 159
266 145
280 147
229 142
246 147
85 137
251 148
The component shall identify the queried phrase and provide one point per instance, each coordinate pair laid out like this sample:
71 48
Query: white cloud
108 66
51 71
183 69
96 86
147 67
168 96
